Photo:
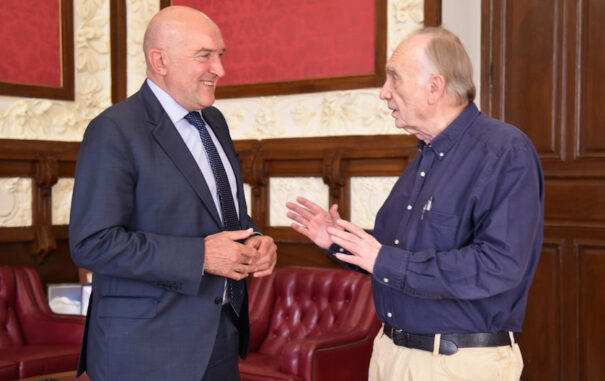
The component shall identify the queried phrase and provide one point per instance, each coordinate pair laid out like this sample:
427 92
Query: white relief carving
15 202
284 189
61 200
405 16
367 196
138 14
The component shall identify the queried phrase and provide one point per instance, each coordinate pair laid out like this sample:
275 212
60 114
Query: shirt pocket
127 307
437 231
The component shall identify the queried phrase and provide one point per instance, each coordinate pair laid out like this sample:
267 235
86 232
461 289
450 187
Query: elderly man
457 242
159 216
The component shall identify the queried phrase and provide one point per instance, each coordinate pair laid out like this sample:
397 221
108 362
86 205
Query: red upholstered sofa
33 340
310 324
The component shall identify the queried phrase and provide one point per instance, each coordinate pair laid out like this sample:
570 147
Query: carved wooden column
47 170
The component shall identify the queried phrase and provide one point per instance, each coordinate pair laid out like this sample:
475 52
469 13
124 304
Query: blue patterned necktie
230 220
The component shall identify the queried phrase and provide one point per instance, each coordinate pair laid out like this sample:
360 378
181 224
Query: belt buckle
400 337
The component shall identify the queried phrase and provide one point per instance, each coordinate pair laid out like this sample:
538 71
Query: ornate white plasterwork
284 189
138 14
61 200
26 118
367 196
15 202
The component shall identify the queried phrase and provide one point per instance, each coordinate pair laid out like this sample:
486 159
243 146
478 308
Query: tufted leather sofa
310 324
33 340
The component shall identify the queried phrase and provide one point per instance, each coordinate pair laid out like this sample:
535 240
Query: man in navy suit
149 219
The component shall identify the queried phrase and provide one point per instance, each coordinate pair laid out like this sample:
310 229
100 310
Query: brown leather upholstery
33 340
310 324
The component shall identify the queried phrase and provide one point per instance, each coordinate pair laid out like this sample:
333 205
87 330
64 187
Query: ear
436 88
158 60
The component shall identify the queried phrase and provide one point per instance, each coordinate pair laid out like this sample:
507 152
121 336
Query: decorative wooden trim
375 79
432 12
66 91
119 50
44 162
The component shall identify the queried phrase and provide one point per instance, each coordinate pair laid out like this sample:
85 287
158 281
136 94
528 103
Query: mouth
209 83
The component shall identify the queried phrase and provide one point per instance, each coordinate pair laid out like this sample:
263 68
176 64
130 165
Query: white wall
463 17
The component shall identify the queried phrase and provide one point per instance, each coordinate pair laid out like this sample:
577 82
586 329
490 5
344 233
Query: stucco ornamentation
15 202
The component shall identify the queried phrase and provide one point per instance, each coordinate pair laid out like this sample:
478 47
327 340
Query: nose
217 67
385 92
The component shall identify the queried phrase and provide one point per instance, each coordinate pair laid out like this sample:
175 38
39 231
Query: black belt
449 343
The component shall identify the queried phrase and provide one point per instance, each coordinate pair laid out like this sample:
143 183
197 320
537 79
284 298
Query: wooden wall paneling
541 353
41 245
590 113
541 70
591 258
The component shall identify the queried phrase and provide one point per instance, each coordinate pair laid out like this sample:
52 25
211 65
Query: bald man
456 244
159 216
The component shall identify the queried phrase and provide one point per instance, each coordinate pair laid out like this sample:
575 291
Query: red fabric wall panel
30 37
286 40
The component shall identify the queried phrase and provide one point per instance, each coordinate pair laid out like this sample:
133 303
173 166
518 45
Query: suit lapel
166 135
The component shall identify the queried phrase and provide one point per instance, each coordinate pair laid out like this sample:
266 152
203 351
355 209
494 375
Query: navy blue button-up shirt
462 231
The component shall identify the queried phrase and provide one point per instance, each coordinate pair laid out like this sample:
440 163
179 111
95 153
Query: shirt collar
175 111
448 137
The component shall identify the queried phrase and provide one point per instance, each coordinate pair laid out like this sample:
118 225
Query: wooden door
543 72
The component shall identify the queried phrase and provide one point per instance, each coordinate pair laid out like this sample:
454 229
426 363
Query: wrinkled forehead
409 55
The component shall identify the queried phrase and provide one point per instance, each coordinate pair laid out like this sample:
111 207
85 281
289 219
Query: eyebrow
206 50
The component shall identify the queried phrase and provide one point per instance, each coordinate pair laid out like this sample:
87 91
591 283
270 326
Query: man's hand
313 221
226 257
267 250
354 239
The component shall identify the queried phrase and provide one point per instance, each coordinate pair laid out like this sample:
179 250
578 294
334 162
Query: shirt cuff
391 266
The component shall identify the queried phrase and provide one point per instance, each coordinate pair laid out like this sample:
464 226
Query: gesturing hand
226 257
313 221
358 242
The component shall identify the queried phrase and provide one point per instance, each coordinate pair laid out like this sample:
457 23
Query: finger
349 259
296 208
334 212
301 229
237 235
347 236
313 207
349 245
352 228
263 273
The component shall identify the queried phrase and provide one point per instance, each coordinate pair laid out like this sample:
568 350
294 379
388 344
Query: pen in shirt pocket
427 207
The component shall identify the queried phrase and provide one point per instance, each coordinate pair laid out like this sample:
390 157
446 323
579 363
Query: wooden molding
432 12
119 50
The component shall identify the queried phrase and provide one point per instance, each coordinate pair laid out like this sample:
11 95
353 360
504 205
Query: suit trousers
223 364
393 362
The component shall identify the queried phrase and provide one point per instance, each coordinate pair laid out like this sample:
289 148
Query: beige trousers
392 362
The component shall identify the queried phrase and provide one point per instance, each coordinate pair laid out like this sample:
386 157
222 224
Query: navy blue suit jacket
140 212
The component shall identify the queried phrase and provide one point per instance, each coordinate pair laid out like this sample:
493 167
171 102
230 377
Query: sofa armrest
319 358
50 328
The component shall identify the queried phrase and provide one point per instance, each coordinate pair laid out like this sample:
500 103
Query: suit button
218 301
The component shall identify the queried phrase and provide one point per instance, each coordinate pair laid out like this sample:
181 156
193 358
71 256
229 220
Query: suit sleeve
102 208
